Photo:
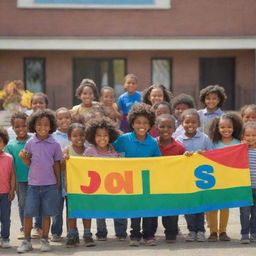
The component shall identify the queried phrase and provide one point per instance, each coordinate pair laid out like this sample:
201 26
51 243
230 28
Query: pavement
112 247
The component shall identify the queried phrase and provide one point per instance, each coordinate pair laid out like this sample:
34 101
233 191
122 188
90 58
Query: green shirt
14 147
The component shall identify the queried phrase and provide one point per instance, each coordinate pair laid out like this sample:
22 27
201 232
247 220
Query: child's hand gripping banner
158 186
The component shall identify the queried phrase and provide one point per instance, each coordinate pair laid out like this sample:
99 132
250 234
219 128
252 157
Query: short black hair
213 130
146 93
132 76
219 90
40 94
101 123
62 109
75 126
141 109
87 83
4 135
163 103
39 115
188 112
165 116
183 99
18 115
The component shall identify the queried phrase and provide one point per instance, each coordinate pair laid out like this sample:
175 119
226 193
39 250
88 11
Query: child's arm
117 112
13 185
56 168
25 157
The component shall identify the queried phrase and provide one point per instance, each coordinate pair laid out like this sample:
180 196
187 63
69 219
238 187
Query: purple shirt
44 154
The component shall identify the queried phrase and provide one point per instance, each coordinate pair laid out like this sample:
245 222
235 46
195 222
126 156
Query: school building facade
184 44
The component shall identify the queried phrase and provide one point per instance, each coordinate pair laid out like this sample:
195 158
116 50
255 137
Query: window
105 72
34 74
162 72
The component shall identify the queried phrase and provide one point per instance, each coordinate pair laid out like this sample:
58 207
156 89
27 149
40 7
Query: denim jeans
57 220
21 194
248 217
195 222
170 224
5 214
120 226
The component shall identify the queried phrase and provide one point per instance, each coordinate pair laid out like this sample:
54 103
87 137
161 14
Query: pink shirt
6 169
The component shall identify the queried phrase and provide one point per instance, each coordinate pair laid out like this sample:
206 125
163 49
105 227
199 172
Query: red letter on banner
94 183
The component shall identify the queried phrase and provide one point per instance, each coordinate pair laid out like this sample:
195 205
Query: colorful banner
158 186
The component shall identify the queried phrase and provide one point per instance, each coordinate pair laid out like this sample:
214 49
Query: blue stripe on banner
153 213
95 2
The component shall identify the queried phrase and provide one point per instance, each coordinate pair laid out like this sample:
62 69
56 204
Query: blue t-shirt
129 146
126 101
61 138
219 144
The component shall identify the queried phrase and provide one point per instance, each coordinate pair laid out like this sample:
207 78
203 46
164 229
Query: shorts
41 201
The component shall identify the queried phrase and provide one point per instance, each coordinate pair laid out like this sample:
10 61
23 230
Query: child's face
249 115
165 128
38 103
77 138
63 119
250 138
42 127
108 98
130 85
226 128
2 145
162 109
211 101
190 124
101 139
179 109
20 128
156 95
87 96
141 126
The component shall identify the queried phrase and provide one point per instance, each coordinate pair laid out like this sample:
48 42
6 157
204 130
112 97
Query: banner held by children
159 186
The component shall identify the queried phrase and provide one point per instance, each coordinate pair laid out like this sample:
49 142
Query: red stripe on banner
234 156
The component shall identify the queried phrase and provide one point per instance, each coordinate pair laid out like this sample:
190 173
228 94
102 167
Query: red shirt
172 149
6 170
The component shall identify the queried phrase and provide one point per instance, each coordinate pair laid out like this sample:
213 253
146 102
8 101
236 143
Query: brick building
184 44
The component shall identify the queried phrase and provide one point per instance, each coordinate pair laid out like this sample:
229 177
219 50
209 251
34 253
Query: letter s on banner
207 180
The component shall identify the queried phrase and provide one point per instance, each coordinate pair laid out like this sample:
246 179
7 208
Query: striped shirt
252 165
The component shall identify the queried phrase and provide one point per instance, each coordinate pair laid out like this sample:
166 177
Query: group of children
150 124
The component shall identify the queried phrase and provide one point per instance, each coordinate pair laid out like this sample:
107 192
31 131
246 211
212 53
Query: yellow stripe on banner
167 175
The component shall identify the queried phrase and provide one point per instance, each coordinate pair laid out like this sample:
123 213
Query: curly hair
214 133
165 103
189 112
42 95
101 123
39 115
87 83
18 115
75 126
4 135
251 107
147 91
219 90
183 99
141 109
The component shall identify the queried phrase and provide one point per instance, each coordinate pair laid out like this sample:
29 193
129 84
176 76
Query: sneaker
101 238
191 236
36 233
121 238
213 237
253 237
21 235
45 245
5 244
134 243
89 242
224 237
56 238
72 241
25 246
150 242
245 239
200 237
170 240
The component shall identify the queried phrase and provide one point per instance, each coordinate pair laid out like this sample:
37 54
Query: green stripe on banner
82 202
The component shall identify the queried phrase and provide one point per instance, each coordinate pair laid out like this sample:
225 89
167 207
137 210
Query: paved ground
113 247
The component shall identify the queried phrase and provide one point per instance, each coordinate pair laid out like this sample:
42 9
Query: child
139 143
43 155
87 92
7 188
160 108
76 135
193 140
19 125
107 100
156 93
224 131
100 133
212 97
128 99
63 118
165 124
248 213
248 113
